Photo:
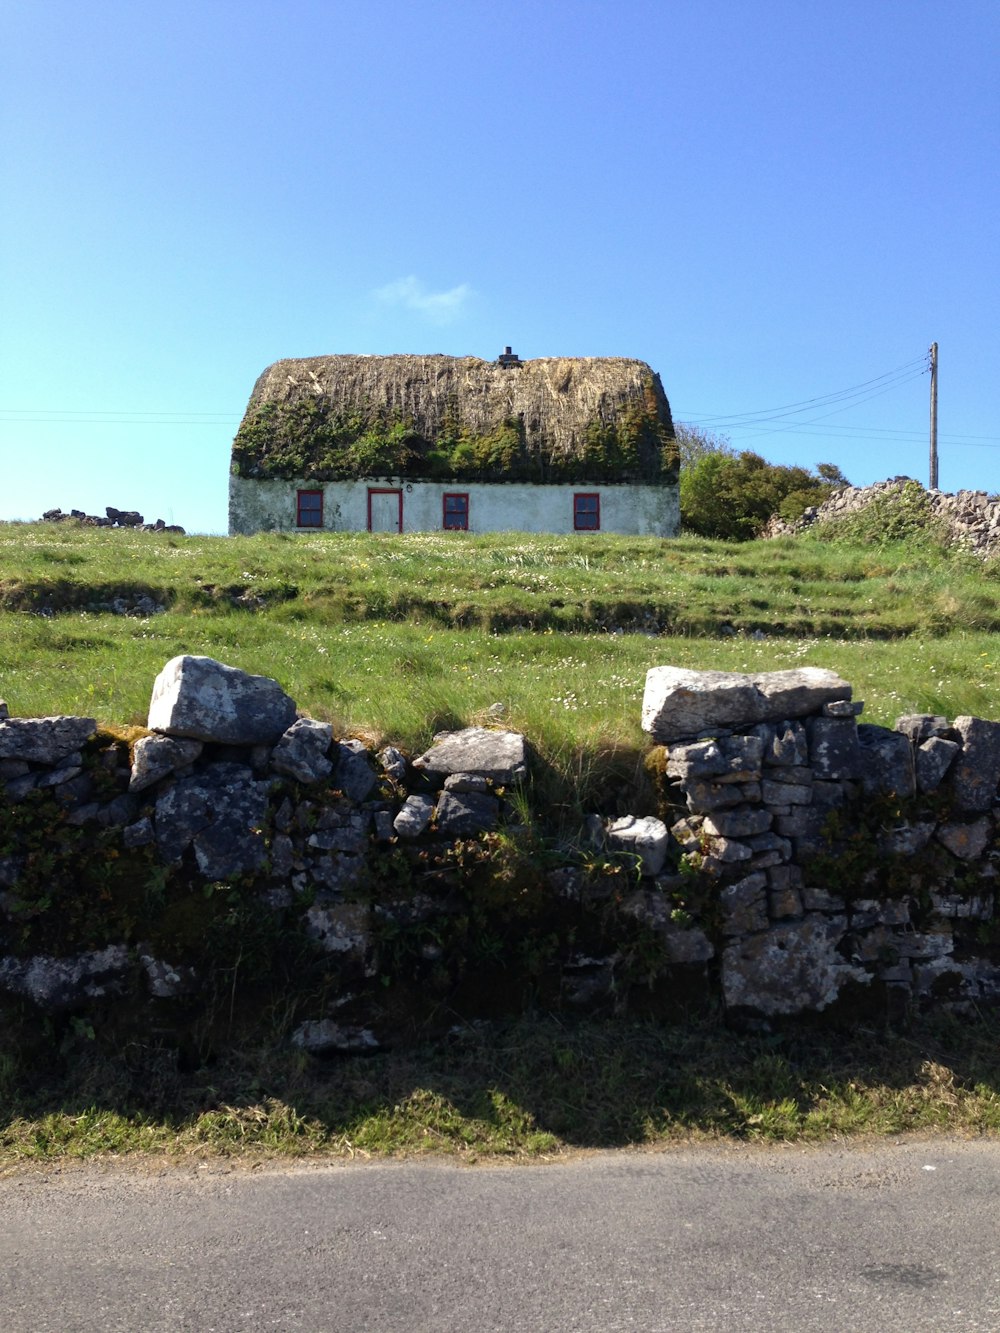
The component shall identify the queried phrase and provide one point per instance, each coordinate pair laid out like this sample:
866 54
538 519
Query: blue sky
771 202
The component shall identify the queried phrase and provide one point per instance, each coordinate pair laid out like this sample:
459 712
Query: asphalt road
895 1236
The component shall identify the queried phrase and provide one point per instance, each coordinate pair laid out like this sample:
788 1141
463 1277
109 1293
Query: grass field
395 638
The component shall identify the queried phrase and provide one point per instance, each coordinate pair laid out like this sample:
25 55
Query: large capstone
499 756
679 704
206 700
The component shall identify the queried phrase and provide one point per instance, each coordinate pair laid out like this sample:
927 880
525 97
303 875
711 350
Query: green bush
731 496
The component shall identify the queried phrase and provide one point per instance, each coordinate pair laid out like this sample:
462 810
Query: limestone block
887 761
464 814
833 748
353 772
139 834
744 905
843 708
467 782
770 842
821 900
205 700
919 727
727 759
795 775
500 756
789 968
907 839
783 903
785 793
727 851
344 929
351 836
220 812
153 757
44 740
167 980
644 837
933 760
978 907
882 911
966 841
414 816
741 822
976 771
926 944
789 746
322 1036
282 856
301 753
393 762
679 703
59 983
704 796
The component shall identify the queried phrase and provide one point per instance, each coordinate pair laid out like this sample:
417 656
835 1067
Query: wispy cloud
412 294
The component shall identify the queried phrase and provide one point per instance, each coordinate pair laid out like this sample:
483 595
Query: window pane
587 512
309 512
456 511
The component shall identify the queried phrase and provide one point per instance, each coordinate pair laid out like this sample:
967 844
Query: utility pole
934 378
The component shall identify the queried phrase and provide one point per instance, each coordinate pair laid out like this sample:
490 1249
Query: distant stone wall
111 518
970 519
237 860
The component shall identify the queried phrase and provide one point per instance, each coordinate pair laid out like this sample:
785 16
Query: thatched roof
551 419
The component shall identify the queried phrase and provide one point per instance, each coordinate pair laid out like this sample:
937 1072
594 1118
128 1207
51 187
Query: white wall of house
633 510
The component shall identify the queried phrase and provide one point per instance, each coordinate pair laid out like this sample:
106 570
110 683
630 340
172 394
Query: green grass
393 638
529 1089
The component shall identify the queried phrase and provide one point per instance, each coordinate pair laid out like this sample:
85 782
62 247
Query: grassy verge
531 1089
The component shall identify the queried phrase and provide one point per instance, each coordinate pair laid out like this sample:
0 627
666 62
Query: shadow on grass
522 1088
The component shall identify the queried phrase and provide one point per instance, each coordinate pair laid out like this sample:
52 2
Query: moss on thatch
593 419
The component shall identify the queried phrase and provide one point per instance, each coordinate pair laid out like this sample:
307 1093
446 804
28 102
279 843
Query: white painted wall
633 510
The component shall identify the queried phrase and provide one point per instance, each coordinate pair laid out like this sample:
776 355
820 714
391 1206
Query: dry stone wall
796 862
969 519
844 857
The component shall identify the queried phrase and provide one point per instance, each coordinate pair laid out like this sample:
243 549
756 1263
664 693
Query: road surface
893 1236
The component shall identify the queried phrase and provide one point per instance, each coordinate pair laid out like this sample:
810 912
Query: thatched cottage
417 443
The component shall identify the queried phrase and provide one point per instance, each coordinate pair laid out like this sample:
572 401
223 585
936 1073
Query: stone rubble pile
113 518
970 518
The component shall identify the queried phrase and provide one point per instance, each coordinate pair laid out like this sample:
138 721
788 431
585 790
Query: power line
901 374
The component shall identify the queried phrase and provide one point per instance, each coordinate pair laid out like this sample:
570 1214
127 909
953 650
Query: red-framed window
309 509
586 511
455 507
